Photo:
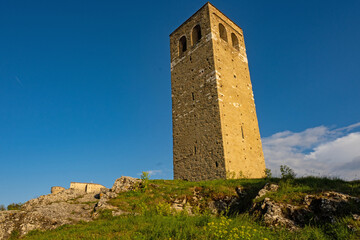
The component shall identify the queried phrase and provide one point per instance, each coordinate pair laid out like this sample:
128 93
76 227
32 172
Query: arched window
222 31
196 34
235 41
182 45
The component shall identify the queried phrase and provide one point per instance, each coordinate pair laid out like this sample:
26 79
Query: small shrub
164 209
15 234
14 206
195 210
241 175
106 214
287 172
230 175
145 177
268 173
143 208
2 207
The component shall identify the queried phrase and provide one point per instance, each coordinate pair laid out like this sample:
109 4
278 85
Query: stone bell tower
215 128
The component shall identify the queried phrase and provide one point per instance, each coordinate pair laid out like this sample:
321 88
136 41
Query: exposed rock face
48 212
122 184
23 222
71 205
125 184
274 215
319 208
330 204
64 207
269 187
216 205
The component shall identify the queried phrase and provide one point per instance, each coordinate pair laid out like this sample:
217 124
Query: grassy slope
157 221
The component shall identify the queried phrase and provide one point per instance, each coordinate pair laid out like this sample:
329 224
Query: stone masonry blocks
215 128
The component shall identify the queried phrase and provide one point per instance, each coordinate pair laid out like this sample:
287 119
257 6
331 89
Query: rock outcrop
66 206
48 212
321 208
73 205
125 184
269 187
122 184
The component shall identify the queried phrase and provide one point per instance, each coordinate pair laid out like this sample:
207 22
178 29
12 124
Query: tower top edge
207 4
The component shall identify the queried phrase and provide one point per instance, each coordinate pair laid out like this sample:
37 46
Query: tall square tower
215 128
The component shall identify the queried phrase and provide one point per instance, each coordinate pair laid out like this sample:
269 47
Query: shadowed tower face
215 128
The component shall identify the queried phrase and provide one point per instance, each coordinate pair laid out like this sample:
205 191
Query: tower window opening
193 96
196 34
195 149
182 45
223 33
216 164
242 132
235 41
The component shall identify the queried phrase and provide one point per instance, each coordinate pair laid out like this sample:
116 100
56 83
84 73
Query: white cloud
316 151
152 172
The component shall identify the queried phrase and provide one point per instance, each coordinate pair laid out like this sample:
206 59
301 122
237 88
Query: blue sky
85 88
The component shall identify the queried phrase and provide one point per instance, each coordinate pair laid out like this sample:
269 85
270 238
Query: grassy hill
151 213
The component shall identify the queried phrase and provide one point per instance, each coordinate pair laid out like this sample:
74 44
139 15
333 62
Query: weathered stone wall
57 189
240 129
78 186
86 187
197 139
215 127
93 188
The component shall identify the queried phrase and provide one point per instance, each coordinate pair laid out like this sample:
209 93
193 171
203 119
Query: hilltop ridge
272 206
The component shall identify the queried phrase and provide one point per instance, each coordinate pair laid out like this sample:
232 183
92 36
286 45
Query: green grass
187 227
293 191
152 218
164 191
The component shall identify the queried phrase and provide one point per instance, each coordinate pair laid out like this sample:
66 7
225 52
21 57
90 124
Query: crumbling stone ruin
215 127
83 187
57 189
87 187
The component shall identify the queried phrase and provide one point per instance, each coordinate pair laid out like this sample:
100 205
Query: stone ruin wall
57 189
83 187
86 187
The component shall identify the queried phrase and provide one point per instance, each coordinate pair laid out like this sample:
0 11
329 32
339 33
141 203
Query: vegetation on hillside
182 226
14 206
152 217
